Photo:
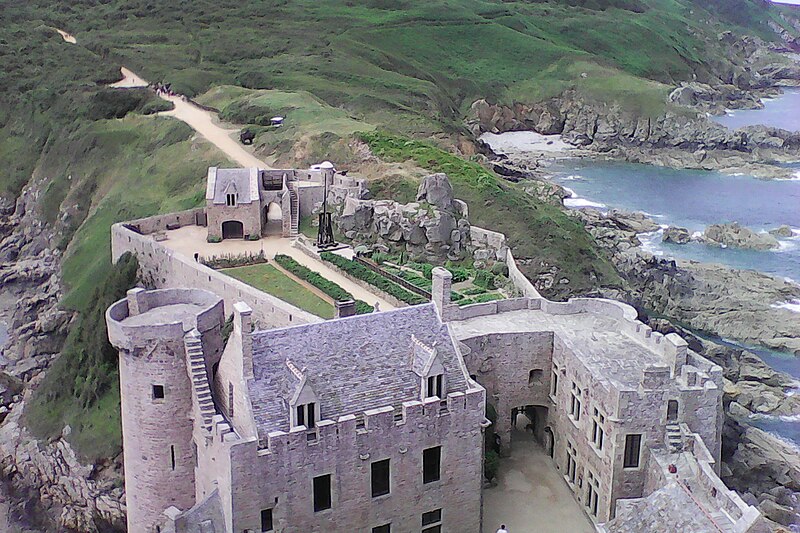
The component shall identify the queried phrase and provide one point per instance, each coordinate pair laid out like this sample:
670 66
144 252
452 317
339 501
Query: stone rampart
165 268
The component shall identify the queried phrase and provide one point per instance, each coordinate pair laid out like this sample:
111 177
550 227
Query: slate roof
243 180
353 364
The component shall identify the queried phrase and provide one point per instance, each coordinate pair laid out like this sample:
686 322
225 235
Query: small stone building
252 202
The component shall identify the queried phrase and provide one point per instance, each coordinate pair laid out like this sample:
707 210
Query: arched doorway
549 441
232 229
273 219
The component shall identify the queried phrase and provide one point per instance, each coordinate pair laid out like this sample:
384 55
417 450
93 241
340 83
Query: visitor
502 529
377 306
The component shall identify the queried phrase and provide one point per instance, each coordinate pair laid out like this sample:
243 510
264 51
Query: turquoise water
694 199
782 112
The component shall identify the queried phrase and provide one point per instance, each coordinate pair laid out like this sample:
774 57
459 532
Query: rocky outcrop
55 488
436 227
735 235
782 231
676 235
50 476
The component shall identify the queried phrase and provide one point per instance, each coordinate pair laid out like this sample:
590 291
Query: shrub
156 106
252 237
213 239
491 464
315 278
481 298
500 269
456 296
459 273
485 279
361 272
425 268
415 279
472 291
232 261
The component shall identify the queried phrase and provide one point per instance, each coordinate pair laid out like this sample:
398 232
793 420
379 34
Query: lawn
272 281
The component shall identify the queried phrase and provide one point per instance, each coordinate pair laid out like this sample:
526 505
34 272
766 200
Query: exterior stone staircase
201 389
294 200
674 438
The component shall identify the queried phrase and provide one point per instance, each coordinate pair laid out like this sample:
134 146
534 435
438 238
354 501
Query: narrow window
434 386
597 429
592 497
431 464
158 392
311 416
172 456
266 520
554 383
230 399
432 521
380 478
575 406
632 445
535 376
322 493
230 200
301 415
385 528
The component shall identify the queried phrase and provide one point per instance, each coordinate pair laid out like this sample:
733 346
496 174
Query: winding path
200 120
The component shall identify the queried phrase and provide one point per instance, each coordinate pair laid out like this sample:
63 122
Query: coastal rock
632 221
676 235
782 231
737 236
433 228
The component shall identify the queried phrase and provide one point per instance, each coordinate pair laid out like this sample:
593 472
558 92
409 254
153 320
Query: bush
252 237
213 239
500 269
485 279
116 103
156 105
361 272
315 278
425 268
416 279
472 291
232 261
459 273
456 296
481 299
491 464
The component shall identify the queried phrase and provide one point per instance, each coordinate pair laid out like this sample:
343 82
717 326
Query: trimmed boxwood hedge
315 278
361 272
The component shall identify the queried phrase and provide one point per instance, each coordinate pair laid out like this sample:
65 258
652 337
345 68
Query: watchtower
152 331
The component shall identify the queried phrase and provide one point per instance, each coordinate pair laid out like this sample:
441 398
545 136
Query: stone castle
277 420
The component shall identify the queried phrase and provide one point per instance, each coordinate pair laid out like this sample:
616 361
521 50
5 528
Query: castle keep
377 422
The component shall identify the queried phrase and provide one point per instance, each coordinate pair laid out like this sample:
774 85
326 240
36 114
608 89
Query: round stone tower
151 330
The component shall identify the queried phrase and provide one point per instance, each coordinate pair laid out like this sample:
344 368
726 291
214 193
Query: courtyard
191 240
531 495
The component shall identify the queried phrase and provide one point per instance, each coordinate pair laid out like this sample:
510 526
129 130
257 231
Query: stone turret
148 328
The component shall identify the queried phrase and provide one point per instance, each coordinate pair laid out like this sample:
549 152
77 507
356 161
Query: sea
695 199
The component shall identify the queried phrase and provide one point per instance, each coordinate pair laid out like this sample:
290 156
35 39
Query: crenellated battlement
380 420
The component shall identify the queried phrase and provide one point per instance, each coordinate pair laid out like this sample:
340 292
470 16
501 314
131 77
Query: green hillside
396 75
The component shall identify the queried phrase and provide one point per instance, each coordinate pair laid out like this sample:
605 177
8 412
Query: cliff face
56 488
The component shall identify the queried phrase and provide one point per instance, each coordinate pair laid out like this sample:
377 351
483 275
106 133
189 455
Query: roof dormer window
434 386
230 199
306 415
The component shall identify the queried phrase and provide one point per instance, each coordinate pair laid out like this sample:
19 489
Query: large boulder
782 231
676 235
737 236
437 191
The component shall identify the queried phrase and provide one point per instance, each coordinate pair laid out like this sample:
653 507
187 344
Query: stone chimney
440 292
345 308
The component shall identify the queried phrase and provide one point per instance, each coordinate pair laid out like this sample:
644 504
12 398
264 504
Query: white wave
571 192
651 240
582 202
572 177
651 215
782 418
791 305
697 234
785 246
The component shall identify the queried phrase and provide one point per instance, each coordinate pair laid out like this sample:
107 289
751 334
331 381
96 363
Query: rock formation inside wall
434 228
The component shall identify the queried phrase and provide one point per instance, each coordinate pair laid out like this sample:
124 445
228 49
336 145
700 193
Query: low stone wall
520 281
164 268
491 240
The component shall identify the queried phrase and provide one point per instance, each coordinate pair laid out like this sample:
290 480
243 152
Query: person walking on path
502 529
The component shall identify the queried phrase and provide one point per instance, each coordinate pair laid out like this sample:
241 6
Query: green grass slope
410 65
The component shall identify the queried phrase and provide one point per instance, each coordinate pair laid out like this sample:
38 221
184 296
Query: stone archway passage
273 219
232 229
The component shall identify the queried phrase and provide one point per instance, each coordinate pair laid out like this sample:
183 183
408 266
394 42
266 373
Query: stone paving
531 495
190 240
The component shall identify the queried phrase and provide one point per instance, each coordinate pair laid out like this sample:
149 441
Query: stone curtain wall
280 477
502 362
165 268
